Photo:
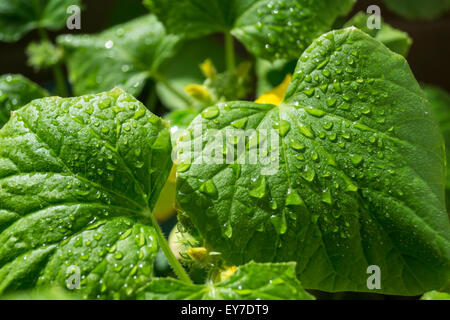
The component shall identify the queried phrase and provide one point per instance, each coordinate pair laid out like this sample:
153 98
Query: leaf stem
229 52
60 81
176 265
160 78
150 101
58 74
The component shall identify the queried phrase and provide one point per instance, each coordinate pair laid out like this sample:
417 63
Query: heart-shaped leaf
78 180
355 180
270 29
125 55
21 16
252 281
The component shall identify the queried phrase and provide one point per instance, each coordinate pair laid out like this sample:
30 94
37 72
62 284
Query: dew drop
279 223
293 198
309 174
259 188
208 188
326 197
210 112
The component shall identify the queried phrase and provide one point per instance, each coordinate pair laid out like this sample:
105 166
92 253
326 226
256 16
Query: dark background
429 57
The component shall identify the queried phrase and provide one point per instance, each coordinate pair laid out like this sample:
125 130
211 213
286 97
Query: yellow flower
276 95
199 92
198 254
224 275
208 69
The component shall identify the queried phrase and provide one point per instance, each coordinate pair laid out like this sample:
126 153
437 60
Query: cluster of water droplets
112 258
287 28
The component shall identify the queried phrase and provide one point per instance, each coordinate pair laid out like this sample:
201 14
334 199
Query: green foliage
249 282
396 40
15 92
259 24
230 85
125 55
51 293
440 106
78 180
43 55
21 16
419 9
184 69
359 182
351 174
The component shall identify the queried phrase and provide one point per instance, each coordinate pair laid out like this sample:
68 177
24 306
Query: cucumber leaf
418 9
21 16
125 55
78 180
15 92
259 24
440 106
249 282
357 178
396 40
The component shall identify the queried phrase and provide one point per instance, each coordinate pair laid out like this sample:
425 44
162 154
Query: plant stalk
160 78
61 88
229 52
152 98
175 264
60 81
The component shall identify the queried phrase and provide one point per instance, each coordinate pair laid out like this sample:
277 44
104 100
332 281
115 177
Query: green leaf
184 69
15 92
249 282
435 295
440 106
21 16
78 180
259 24
54 293
396 40
125 55
357 179
418 9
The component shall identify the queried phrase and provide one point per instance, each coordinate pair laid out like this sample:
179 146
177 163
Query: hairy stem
175 264
58 74
150 101
229 52
60 81
160 78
